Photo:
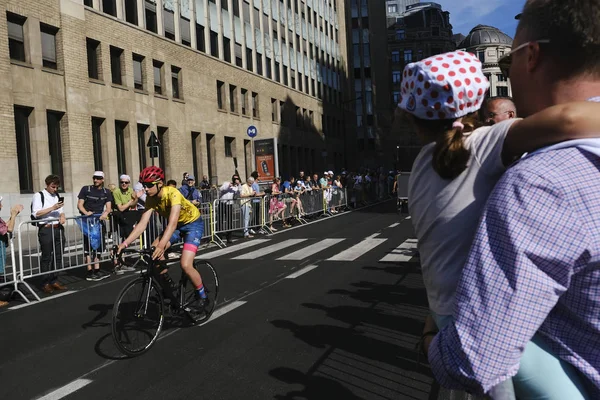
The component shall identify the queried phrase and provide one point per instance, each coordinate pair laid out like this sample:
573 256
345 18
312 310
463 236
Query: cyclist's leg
192 235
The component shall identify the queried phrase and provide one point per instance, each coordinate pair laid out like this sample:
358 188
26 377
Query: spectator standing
125 212
47 207
315 182
256 208
228 191
172 183
6 229
498 109
190 192
93 200
276 205
246 191
204 183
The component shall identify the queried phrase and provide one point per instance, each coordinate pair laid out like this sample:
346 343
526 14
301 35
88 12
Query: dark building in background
422 31
369 80
394 8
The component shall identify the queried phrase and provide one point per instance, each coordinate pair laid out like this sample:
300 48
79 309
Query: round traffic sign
252 131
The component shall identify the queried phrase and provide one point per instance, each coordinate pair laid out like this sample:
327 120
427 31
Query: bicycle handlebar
119 256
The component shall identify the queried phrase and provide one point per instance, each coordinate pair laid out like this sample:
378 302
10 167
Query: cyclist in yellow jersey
183 220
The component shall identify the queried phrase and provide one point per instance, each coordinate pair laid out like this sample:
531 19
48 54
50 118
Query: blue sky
466 14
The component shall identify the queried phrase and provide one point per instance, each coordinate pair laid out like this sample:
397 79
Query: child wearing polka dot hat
447 86
456 170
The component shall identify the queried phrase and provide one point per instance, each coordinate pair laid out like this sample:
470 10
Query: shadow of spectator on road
315 387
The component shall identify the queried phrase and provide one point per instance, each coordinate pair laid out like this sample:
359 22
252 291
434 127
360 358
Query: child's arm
576 120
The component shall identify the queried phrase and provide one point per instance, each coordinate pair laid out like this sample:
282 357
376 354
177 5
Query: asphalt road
330 310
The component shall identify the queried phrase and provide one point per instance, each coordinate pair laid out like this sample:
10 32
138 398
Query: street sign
153 141
252 131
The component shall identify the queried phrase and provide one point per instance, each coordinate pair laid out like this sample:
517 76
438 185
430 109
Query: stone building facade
422 31
490 44
88 81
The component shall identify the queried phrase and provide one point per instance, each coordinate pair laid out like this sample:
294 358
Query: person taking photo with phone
47 208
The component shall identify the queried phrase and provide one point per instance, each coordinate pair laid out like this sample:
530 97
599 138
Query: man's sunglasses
98 178
505 62
124 183
149 185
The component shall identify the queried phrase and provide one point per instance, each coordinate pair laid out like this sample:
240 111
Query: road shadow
314 387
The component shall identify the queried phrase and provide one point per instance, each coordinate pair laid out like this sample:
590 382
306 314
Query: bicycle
139 310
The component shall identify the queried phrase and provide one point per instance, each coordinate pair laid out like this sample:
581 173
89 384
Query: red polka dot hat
446 86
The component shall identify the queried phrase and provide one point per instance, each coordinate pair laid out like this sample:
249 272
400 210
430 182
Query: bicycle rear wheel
137 316
210 280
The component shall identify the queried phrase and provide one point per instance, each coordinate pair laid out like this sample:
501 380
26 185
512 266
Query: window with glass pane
229 146
138 72
220 95
502 91
120 127
116 55
109 7
49 46
141 139
157 67
54 143
232 98
169 23
151 20
176 82
392 8
97 142
214 44
23 148
200 44
259 67
244 98
407 56
131 11
274 110
255 105
395 57
89 3
93 57
481 55
16 37
400 34
396 76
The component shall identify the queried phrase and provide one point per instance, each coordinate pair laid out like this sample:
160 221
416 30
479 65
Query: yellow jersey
170 197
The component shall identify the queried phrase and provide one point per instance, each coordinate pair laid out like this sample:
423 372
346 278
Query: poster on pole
265 156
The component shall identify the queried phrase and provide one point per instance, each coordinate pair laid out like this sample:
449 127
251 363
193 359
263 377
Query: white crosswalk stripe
403 253
269 249
232 249
310 250
357 250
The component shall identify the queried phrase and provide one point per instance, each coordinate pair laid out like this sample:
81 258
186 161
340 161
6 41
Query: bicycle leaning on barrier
140 307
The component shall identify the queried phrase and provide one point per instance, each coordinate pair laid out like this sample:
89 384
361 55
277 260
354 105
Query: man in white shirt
47 208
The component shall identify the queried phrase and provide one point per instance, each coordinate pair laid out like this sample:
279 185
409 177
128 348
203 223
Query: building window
400 34
396 76
232 98
229 146
248 59
49 46
268 66
395 57
93 56
285 75
214 44
392 8
281 112
277 74
131 11
55 145
200 44
151 21
502 91
481 55
97 142
138 71
435 31
184 29
501 78
220 95
120 127
274 110
116 61
162 133
238 54
16 37
407 56
169 23
196 137
396 97
244 93
227 49
157 66
255 105
176 82
89 3
259 67
141 137
109 7
23 148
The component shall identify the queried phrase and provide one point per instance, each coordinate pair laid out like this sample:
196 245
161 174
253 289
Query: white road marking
402 253
312 249
224 310
407 217
374 235
269 249
301 272
66 390
357 250
394 225
231 249
68 292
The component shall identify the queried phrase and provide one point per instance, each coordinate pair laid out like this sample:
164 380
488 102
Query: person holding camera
47 208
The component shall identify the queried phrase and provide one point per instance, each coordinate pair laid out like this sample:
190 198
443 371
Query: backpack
31 208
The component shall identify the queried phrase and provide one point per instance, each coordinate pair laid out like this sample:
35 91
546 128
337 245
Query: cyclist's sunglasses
149 185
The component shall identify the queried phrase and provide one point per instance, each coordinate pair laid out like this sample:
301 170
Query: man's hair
52 179
254 174
573 28
171 182
490 100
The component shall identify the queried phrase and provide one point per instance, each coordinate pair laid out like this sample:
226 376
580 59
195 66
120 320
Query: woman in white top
456 171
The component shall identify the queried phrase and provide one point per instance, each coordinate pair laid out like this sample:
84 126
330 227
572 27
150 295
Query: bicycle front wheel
137 316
